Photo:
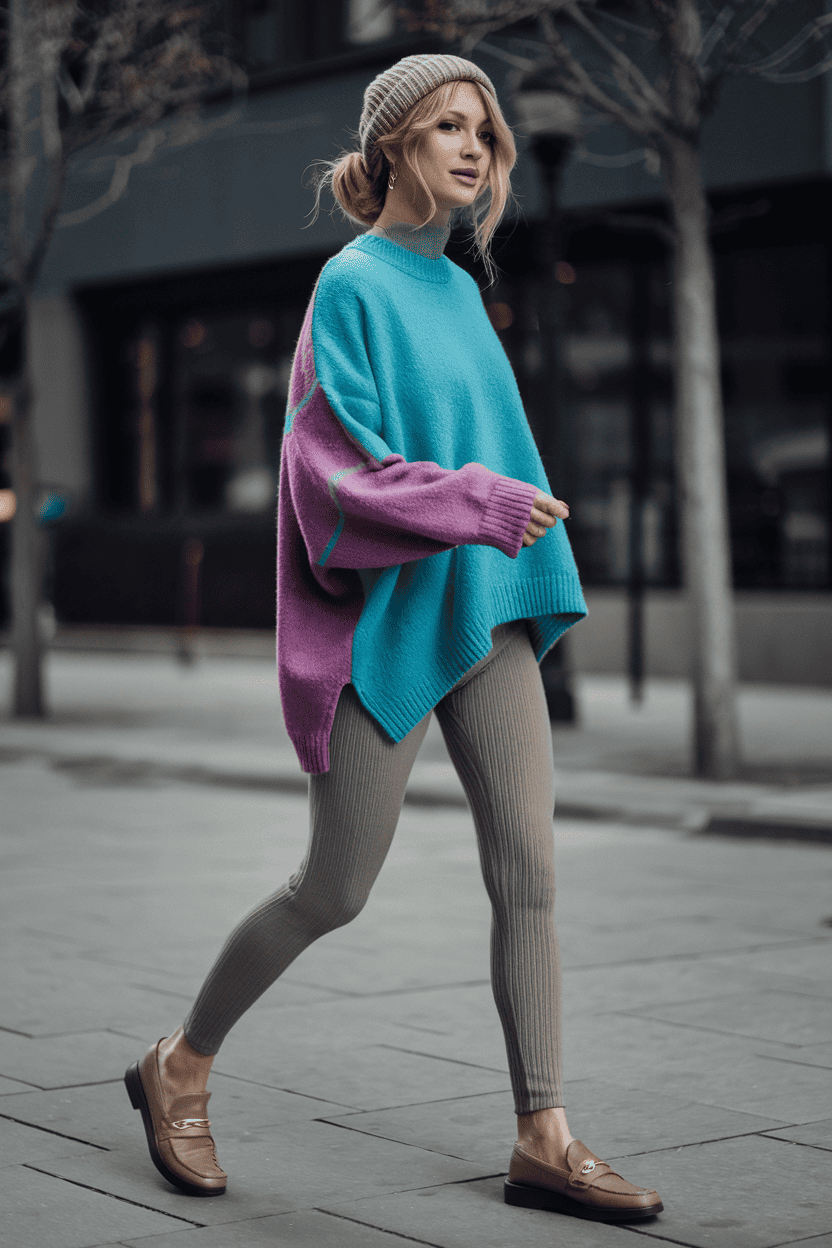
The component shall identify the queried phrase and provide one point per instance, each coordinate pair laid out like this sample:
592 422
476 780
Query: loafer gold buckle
182 1124
586 1168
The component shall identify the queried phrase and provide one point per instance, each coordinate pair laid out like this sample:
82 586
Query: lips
466 175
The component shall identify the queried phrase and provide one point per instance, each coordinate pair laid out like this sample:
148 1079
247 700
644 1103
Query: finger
553 506
543 518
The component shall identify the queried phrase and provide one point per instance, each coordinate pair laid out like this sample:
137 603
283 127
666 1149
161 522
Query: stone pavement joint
61 1134
100 1191
358 1222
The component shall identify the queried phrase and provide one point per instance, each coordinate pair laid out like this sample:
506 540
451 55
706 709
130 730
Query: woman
420 568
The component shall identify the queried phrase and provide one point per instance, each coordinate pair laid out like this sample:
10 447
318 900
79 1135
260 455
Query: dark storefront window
605 337
192 379
613 362
227 377
610 413
777 391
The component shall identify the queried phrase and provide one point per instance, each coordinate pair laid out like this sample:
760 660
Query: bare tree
655 68
128 73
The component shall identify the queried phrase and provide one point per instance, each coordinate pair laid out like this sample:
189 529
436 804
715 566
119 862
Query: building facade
165 328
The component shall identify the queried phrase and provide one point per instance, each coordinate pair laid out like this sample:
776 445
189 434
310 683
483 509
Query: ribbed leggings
496 728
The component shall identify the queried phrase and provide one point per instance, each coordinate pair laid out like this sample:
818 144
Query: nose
473 146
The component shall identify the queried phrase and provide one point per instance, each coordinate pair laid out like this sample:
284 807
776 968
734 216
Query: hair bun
354 187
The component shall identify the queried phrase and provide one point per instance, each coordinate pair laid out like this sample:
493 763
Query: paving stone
808 963
19 1144
272 1171
366 1077
730 1071
818 1134
638 986
302 1230
816 1241
811 1055
41 995
614 1122
752 1192
39 1210
461 1215
783 1017
8 1087
456 1021
66 1061
104 1116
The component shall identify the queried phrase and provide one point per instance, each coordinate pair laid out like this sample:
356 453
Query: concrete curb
436 785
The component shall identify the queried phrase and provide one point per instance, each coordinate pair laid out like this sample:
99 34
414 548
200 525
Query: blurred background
163 329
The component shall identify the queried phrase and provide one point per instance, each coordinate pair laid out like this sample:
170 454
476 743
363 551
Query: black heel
527 1197
133 1085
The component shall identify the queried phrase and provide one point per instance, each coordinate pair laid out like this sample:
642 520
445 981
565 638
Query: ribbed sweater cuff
507 515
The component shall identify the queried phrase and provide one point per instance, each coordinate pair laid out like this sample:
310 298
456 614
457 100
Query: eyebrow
454 112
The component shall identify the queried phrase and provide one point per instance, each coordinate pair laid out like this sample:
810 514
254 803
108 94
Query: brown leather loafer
588 1188
178 1133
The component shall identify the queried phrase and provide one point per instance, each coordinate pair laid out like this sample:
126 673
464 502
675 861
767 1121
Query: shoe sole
135 1090
527 1197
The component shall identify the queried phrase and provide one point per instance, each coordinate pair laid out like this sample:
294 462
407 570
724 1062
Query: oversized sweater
407 477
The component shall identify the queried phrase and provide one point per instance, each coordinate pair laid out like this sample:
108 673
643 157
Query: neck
426 240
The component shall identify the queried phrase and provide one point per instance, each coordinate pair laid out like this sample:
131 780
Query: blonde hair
360 190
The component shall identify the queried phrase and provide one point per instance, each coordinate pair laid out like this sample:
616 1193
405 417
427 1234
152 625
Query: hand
545 512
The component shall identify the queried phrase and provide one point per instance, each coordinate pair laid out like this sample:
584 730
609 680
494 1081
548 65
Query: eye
488 137
448 125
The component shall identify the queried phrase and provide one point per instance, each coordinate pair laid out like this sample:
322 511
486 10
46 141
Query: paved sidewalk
219 722
364 1101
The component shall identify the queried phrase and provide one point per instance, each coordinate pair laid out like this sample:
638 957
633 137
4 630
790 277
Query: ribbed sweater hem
313 752
553 602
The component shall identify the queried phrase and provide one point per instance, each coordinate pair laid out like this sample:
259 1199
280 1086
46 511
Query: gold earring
391 181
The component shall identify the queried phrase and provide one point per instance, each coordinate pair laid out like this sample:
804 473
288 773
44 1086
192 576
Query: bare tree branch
632 81
518 62
800 75
750 28
812 32
715 34
622 160
124 165
577 83
643 31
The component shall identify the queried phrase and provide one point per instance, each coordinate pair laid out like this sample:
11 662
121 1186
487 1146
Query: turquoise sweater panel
411 365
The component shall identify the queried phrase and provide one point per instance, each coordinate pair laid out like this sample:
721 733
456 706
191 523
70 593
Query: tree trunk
26 554
701 459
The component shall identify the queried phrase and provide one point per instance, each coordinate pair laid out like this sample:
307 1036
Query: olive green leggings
497 732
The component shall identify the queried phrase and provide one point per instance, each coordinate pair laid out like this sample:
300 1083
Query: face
456 153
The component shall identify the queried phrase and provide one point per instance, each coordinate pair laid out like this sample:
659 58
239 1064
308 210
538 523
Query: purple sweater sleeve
358 510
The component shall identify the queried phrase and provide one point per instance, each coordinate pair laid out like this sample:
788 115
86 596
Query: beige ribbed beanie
392 93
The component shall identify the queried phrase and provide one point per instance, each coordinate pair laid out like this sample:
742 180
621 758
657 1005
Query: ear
387 151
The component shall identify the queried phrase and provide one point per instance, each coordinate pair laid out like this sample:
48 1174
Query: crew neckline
436 271
423 240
